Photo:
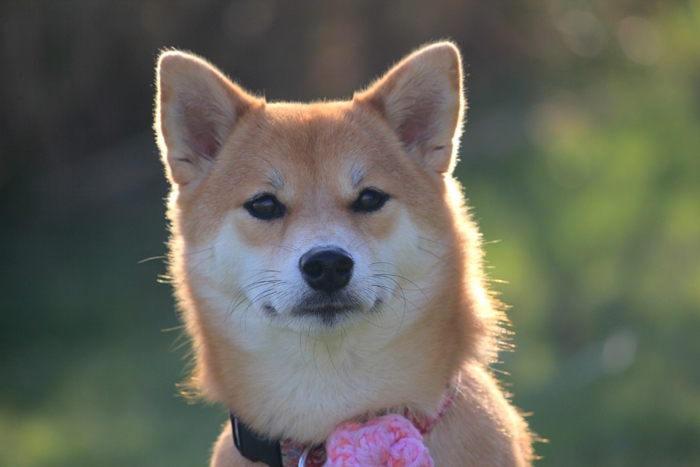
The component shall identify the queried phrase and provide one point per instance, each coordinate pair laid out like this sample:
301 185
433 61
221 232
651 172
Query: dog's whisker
258 297
438 242
370 322
151 259
330 358
263 271
189 271
290 249
243 290
361 245
391 276
301 347
318 371
378 264
402 298
438 257
401 288
351 244
190 253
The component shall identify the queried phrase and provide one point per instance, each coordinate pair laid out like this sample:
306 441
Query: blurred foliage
581 158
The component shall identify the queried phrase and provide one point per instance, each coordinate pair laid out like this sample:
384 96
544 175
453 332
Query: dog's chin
322 316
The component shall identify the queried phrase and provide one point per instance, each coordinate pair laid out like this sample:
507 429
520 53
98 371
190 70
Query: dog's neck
287 453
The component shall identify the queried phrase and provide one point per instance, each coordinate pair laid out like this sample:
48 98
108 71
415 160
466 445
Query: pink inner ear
203 142
415 132
409 134
419 120
200 130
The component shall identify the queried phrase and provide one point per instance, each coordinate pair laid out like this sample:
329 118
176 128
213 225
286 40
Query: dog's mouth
328 313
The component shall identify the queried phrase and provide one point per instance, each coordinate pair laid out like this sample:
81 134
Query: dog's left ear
421 98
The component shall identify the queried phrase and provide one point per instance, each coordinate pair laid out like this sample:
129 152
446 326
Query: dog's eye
265 207
369 200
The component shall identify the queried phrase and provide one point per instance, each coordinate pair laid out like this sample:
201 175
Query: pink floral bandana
316 457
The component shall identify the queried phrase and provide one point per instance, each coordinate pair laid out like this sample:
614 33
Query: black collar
254 447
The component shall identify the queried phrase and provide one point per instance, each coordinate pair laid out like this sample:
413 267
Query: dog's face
312 217
316 232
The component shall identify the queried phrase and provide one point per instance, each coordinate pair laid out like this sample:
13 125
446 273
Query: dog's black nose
327 270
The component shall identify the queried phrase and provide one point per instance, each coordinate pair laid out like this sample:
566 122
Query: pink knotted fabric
388 441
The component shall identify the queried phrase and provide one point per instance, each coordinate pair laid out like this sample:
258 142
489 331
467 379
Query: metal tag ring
304 455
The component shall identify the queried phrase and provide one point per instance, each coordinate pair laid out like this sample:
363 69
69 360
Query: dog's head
317 217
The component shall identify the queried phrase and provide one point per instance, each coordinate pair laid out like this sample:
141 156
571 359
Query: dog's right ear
196 110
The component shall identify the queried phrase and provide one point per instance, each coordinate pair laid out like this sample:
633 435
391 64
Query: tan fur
418 257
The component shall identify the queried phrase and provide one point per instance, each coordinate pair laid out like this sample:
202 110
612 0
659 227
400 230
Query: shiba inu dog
326 267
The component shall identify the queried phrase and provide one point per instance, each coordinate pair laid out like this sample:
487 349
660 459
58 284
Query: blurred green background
581 157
